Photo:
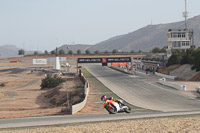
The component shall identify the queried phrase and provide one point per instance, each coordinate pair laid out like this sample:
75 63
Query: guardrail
169 84
79 106
165 76
121 69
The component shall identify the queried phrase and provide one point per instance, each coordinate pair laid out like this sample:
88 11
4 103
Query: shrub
2 84
87 51
174 59
70 52
51 81
115 51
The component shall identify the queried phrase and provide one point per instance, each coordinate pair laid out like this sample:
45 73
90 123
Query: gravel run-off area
179 124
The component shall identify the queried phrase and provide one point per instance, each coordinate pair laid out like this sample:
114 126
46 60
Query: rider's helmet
103 98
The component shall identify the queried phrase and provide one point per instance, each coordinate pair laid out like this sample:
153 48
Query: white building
179 40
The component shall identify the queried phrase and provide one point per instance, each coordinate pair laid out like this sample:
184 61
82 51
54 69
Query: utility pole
185 14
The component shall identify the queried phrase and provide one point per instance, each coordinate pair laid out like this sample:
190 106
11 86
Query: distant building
179 39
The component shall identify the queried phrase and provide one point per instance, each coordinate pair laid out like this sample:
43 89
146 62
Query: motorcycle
116 107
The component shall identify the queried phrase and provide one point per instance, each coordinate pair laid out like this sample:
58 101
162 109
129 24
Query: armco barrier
175 86
121 69
79 106
165 76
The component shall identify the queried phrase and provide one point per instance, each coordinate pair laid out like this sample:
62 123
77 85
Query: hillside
8 51
144 39
11 51
74 48
148 37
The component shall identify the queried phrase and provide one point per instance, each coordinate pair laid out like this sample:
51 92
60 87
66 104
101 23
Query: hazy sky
45 24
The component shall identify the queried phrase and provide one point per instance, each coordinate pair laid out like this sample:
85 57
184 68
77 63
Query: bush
193 67
174 59
87 51
115 51
51 81
2 84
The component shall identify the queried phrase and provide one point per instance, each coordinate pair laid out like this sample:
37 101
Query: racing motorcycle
116 107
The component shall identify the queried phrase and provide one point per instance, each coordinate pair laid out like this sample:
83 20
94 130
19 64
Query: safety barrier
175 86
121 69
165 76
79 106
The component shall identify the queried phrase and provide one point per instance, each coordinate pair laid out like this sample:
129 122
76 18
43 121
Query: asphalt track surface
138 92
132 89
77 119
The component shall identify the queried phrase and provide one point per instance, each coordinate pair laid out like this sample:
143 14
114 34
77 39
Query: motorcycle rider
105 98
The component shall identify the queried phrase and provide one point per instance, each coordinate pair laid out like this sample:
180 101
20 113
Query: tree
140 51
188 57
35 53
156 50
197 60
46 52
115 51
70 52
21 52
105 52
174 59
164 49
78 51
96 52
132 51
61 51
87 51
53 52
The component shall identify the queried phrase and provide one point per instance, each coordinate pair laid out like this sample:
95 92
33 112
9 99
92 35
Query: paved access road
64 119
138 92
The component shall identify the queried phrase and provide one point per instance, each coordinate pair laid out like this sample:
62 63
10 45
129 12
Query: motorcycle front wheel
111 109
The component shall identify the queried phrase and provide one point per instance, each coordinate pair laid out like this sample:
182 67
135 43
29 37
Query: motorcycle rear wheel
128 109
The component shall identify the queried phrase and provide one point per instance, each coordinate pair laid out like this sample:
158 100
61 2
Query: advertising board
89 60
39 61
104 60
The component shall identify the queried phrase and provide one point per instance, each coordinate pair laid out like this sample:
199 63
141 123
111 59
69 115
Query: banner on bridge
89 60
104 60
119 59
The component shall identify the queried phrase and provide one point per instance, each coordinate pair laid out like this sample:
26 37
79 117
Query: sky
40 25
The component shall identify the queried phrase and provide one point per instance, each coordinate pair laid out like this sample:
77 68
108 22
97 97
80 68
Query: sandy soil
93 105
15 98
22 97
189 84
186 124
190 88
19 96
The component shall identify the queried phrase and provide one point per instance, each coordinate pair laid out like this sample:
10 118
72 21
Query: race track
138 92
